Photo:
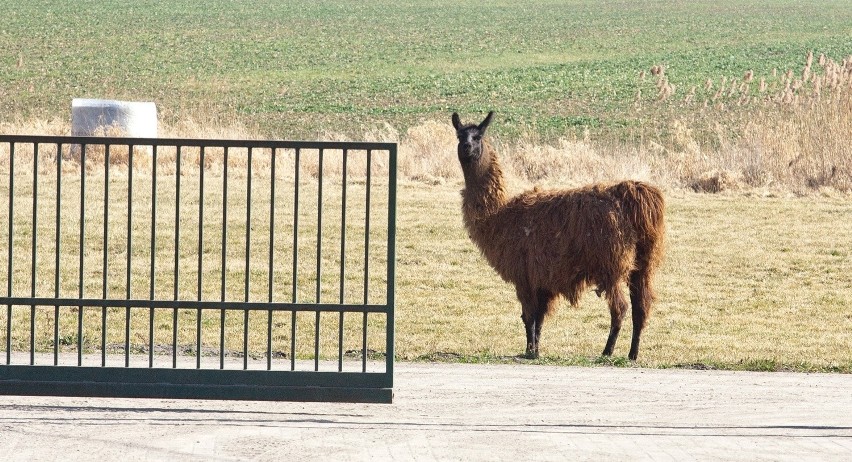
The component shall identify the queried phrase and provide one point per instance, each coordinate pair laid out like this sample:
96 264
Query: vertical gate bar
319 231
224 253
177 257
9 252
317 342
130 149
295 261
391 262
153 254
319 260
271 261
33 268
368 187
129 218
200 251
106 252
366 257
293 340
342 261
248 260
56 256
82 236
364 344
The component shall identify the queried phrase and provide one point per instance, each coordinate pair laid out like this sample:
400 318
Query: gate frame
197 383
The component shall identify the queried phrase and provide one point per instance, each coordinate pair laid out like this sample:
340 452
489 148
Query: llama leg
529 325
545 301
617 308
539 320
640 304
528 310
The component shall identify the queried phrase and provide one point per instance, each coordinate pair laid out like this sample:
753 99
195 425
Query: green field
759 277
302 69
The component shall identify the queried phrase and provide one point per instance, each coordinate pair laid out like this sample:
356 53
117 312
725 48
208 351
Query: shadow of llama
561 242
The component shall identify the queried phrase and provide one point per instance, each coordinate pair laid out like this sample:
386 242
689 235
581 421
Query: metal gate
210 269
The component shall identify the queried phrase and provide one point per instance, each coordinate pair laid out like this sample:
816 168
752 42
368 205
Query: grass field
752 100
748 282
302 69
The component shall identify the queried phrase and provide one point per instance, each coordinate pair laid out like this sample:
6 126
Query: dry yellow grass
759 276
787 132
748 282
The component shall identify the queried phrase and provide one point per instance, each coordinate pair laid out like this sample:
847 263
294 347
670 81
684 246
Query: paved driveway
465 412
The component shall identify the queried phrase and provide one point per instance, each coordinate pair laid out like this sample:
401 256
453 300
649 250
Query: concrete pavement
465 412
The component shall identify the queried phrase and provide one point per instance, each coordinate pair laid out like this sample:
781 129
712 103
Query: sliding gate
210 269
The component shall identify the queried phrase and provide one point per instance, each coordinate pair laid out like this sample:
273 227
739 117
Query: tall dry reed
788 131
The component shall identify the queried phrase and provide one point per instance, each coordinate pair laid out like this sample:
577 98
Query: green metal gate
209 269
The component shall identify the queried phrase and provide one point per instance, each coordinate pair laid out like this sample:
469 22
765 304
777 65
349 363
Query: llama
558 243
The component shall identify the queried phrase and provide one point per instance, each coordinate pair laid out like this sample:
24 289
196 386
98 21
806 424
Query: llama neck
485 191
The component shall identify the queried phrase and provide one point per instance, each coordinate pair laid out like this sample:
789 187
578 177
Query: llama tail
644 205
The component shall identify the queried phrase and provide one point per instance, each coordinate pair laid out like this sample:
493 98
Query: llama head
470 138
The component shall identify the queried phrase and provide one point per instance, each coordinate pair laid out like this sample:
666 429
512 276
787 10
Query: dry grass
747 283
787 131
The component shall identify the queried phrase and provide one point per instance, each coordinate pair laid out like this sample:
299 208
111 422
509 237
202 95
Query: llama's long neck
484 193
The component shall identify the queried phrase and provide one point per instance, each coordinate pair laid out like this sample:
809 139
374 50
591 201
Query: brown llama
552 243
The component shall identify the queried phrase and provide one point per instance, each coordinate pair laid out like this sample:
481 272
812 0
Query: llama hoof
531 355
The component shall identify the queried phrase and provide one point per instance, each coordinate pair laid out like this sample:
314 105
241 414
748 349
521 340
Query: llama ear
456 121
486 122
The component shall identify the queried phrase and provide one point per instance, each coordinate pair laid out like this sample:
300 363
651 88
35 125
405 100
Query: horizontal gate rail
194 384
145 267
195 305
193 142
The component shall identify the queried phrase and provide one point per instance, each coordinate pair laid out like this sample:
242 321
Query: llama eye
477 137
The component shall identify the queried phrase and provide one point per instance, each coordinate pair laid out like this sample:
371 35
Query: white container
133 119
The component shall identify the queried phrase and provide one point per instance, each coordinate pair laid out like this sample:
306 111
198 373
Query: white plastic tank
131 118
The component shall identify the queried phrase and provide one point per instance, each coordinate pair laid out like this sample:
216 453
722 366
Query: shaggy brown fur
552 243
